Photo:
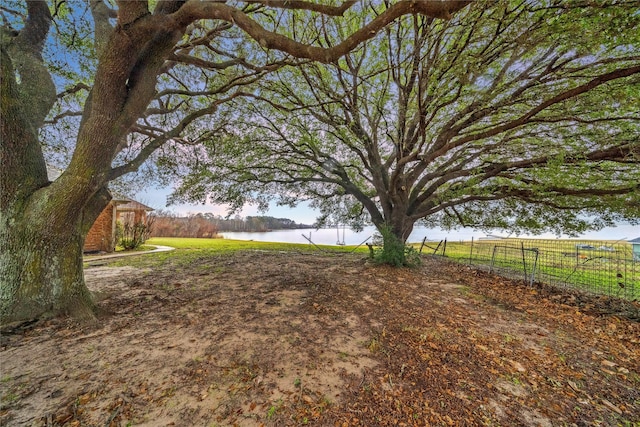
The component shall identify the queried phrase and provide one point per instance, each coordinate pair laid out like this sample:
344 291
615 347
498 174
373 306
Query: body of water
322 236
331 236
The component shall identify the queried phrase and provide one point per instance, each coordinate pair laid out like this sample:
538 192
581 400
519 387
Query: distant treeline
167 224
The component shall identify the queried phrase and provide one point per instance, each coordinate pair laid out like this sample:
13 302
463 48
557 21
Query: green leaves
516 115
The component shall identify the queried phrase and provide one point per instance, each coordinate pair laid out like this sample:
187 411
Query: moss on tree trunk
41 273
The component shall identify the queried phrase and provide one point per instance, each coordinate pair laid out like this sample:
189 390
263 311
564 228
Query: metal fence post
535 266
524 262
493 257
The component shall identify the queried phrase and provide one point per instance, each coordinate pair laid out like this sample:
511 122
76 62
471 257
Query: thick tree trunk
395 233
41 271
40 252
401 227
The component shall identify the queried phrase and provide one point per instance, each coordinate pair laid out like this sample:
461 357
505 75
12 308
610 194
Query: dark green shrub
394 252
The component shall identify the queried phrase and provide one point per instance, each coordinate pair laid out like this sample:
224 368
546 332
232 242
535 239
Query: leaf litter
288 339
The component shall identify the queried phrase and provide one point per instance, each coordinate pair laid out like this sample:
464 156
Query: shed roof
636 240
131 205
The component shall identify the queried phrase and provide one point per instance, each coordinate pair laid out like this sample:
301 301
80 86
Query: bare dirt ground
288 339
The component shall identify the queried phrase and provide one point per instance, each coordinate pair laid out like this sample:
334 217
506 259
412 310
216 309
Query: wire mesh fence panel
593 266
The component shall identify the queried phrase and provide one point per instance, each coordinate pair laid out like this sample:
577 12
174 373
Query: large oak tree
152 72
520 115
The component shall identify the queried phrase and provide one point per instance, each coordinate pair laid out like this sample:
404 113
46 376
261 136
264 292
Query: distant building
635 244
102 235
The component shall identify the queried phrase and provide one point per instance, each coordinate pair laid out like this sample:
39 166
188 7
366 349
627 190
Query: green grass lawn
190 249
229 245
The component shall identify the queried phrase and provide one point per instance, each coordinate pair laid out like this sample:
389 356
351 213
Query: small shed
635 244
102 235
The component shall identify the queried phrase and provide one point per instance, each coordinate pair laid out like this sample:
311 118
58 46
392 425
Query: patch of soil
266 338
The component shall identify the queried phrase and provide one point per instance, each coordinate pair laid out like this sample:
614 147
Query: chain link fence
594 266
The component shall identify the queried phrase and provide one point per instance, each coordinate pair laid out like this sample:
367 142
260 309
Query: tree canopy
116 82
188 58
521 115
